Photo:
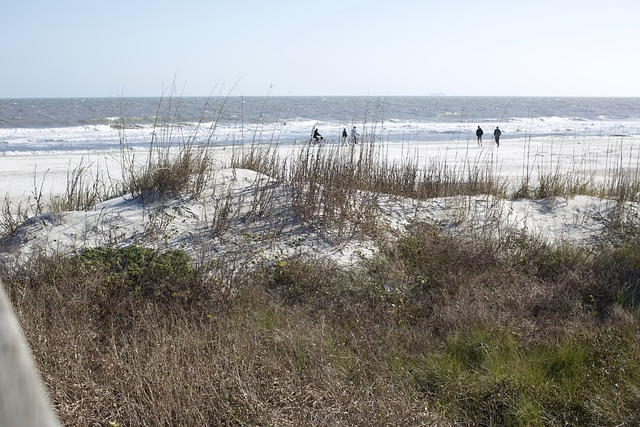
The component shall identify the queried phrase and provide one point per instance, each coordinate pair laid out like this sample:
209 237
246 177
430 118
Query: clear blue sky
69 48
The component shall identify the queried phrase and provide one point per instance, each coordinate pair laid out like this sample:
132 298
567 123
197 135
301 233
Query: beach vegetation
82 191
142 272
435 330
13 216
440 326
176 163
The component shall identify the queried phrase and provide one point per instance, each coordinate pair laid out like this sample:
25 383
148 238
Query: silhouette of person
479 133
344 136
316 135
496 135
354 135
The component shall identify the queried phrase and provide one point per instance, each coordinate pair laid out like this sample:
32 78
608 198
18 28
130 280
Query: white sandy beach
188 224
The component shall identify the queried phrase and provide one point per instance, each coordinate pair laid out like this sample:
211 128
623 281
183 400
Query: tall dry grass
438 329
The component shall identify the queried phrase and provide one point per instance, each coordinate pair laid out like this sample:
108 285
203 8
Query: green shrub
144 273
617 273
324 288
554 262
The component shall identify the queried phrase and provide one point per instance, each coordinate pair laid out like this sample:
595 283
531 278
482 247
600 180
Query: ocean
80 124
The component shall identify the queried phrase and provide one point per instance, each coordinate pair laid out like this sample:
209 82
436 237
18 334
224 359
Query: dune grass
434 331
437 329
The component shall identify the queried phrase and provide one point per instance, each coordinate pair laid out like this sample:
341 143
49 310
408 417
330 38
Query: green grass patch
490 377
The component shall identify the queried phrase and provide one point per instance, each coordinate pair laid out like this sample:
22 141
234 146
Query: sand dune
232 219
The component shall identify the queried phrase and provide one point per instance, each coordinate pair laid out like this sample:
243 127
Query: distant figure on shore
316 135
344 136
496 135
354 135
479 133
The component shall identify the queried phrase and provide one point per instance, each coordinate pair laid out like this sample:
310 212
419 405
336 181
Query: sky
69 48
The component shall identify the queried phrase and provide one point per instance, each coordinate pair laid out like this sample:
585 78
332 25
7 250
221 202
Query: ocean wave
547 119
292 119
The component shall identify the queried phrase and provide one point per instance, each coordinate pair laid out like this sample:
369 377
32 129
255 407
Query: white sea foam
97 137
63 125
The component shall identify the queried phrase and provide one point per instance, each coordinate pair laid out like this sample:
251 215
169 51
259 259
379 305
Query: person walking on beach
479 134
344 136
354 135
496 135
